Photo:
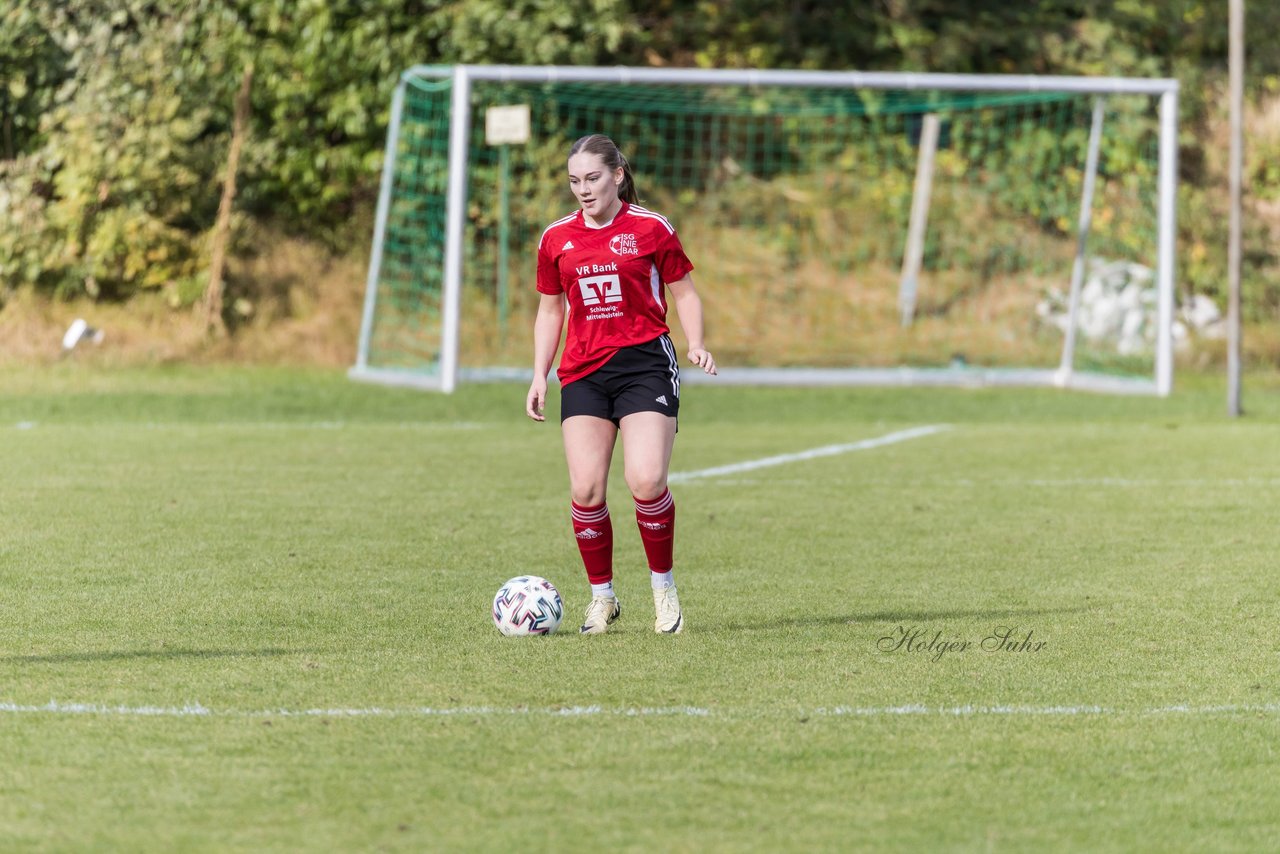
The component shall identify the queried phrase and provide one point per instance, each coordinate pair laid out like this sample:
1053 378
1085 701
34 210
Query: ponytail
627 189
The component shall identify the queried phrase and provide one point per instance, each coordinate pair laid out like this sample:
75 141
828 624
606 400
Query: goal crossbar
808 79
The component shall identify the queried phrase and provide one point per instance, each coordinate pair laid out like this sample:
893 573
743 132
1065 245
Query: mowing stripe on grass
812 453
908 710
275 425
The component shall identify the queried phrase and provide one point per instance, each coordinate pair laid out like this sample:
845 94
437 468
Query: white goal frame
1064 376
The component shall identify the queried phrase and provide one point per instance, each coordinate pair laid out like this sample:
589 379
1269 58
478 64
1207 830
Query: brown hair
601 145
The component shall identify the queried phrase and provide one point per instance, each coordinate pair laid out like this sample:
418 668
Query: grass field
248 610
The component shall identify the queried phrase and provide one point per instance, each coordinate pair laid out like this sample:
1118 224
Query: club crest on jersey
623 244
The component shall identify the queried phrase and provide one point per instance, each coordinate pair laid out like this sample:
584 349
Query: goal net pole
380 229
1167 223
914 254
1067 365
459 133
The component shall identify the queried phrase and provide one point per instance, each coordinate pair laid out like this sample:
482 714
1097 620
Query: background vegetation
115 115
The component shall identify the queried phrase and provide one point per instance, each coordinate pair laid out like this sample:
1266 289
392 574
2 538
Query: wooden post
212 307
914 254
1234 250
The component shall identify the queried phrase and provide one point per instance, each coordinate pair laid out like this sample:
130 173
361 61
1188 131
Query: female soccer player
619 373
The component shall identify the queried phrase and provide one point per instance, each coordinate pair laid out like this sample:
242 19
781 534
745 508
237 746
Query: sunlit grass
234 549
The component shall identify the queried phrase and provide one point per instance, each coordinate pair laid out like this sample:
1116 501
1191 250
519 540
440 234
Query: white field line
198 710
909 710
812 453
1141 483
1041 711
1064 483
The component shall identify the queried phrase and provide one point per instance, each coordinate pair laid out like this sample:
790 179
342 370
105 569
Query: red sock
657 522
594 530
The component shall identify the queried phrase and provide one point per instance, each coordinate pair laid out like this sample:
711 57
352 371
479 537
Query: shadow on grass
159 654
905 617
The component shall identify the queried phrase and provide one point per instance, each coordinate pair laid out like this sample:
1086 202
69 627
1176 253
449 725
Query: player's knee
587 494
646 486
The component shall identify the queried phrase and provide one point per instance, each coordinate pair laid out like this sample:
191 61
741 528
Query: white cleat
602 611
669 621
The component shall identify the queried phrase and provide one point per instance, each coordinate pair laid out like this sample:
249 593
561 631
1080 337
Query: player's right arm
546 341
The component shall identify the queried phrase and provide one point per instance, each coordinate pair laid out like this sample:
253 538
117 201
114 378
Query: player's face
595 185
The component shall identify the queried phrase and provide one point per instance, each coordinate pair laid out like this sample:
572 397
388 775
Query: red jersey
613 278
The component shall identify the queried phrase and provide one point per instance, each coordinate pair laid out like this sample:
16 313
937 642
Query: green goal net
798 205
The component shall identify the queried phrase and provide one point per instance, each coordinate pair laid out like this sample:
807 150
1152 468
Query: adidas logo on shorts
662 398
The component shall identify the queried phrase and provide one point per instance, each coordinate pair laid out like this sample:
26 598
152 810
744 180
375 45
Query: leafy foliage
116 194
32 65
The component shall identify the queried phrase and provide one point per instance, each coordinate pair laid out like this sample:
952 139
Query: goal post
792 191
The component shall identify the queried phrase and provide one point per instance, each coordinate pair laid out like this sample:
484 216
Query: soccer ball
527 605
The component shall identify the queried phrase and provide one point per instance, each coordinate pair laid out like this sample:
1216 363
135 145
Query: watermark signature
935 644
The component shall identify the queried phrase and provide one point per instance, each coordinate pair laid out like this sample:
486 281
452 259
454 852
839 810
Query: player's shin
593 530
656 519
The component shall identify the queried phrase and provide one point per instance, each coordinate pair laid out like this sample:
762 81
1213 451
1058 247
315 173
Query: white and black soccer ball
527 605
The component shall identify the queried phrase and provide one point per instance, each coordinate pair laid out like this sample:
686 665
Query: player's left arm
689 309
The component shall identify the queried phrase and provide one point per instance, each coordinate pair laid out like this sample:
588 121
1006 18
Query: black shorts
643 378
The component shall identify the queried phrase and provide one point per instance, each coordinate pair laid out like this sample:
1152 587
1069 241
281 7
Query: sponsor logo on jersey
568 244
589 534
624 244
600 289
